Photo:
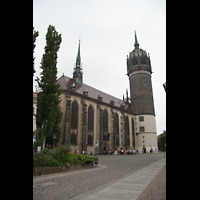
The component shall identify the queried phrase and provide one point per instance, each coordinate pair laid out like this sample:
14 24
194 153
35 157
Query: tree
49 113
162 139
35 34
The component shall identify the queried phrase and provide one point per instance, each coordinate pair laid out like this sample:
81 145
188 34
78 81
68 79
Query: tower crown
138 59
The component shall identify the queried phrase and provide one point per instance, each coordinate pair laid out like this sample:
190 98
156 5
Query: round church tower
139 72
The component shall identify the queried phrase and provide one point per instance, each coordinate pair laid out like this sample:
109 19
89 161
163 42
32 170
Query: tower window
141 118
141 128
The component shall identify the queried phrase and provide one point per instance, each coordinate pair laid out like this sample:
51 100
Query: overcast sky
106 29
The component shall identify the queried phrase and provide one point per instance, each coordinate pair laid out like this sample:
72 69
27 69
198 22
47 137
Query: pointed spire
78 57
136 45
126 94
78 73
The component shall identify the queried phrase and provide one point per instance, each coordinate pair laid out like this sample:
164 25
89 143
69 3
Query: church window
143 60
74 120
73 139
133 133
90 118
117 128
141 118
127 140
134 62
90 140
141 128
105 121
105 126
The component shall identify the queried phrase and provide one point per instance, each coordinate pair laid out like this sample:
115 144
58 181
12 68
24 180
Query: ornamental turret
138 59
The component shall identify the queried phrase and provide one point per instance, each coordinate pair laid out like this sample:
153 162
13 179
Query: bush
62 154
42 160
81 159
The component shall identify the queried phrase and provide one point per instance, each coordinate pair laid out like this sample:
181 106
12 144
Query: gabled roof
92 93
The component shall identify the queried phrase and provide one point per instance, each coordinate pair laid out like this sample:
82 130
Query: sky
106 32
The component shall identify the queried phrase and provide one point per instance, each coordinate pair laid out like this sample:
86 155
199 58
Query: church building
92 115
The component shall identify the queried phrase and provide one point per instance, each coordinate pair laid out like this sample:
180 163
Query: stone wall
49 170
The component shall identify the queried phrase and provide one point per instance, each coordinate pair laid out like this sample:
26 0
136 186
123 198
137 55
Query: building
91 115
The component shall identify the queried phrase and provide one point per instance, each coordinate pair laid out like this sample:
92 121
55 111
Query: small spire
78 57
126 94
78 73
136 45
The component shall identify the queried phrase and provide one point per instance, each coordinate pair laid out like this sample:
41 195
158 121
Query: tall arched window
90 118
127 140
105 126
117 129
74 121
105 121
133 133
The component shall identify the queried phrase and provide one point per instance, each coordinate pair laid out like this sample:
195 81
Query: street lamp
54 137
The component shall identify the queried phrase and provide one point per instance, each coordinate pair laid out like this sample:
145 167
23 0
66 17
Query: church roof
70 85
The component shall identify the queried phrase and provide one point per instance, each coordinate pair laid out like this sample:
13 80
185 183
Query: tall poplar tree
49 113
35 34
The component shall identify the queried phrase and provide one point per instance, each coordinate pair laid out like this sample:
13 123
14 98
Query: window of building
117 128
90 140
141 118
127 140
133 133
73 139
141 128
90 118
105 121
74 120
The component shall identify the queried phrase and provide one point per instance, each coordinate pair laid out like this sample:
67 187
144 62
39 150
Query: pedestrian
137 151
75 151
122 152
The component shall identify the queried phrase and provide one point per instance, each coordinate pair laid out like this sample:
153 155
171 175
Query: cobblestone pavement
77 184
157 188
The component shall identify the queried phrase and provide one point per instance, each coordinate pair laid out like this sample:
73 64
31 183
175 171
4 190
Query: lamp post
54 137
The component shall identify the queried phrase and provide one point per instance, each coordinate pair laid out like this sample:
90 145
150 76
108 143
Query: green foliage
62 154
35 34
81 159
162 139
44 160
49 115
38 143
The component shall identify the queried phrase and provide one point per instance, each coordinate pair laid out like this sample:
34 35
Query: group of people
127 152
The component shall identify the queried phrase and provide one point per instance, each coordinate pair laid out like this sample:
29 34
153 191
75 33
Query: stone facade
115 135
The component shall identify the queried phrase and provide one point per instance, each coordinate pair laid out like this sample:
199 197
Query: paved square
116 177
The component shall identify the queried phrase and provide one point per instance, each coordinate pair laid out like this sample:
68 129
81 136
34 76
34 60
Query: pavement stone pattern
80 184
157 188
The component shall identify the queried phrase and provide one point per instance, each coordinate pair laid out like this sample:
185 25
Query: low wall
49 170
